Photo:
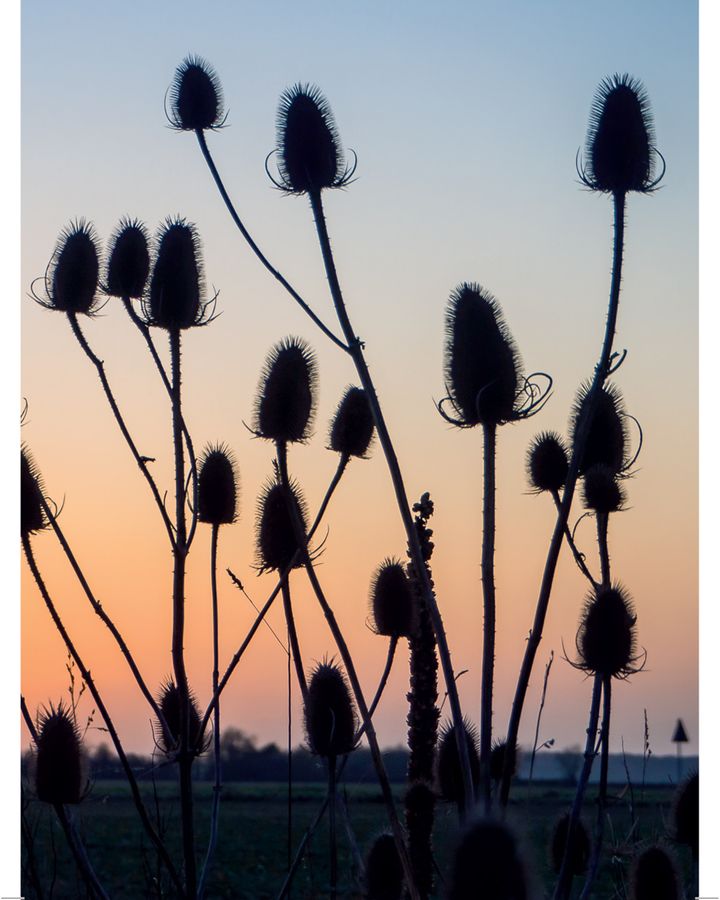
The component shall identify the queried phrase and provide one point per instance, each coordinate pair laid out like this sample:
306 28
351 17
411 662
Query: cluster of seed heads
448 772
196 101
547 462
285 404
32 515
392 604
330 719
352 427
59 760
277 542
217 486
488 863
654 875
606 639
170 703
383 870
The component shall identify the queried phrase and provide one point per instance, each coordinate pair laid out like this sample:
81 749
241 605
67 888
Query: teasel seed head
285 405
175 298
606 640
276 541
686 813
169 703
330 720
217 486
607 438
196 100
488 863
383 870
60 760
620 143
391 600
447 762
353 427
547 462
310 157
601 490
482 365
71 281
579 846
128 261
498 754
654 875
32 515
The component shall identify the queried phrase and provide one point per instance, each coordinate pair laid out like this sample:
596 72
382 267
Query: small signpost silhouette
679 737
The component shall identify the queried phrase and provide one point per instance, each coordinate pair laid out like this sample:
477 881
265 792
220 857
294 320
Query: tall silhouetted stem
601 372
488 586
332 763
602 790
602 531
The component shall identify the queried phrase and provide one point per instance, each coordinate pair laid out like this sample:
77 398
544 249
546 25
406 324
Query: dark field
251 856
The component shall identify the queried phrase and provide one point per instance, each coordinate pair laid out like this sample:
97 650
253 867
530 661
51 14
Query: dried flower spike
352 427
579 846
330 720
129 260
654 876
448 774
547 462
71 281
488 863
686 813
607 439
169 702
606 638
32 515
175 298
601 491
276 541
383 870
217 486
498 754
285 405
196 96
391 601
59 763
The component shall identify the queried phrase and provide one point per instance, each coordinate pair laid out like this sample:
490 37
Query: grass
250 862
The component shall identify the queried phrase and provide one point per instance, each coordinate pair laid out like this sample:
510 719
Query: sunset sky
466 119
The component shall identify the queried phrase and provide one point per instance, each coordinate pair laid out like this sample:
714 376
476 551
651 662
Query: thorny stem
602 533
332 763
488 586
140 460
577 555
601 371
254 247
114 737
381 685
602 790
356 351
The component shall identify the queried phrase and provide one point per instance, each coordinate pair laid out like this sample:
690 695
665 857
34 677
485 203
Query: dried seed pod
276 541
488 863
547 462
601 491
620 139
383 870
498 754
391 600
352 428
169 702
196 100
607 439
482 365
606 638
686 813
217 486
579 846
32 515
285 405
176 292
654 875
129 260
72 280
448 773
330 720
310 157
59 762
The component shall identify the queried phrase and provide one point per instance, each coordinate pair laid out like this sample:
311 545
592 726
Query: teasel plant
654 875
310 160
488 858
485 387
621 157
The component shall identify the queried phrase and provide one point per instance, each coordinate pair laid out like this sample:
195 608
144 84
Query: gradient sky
466 120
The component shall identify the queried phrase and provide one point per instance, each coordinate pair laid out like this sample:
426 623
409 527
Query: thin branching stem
285 889
488 590
601 371
602 534
577 555
392 647
548 666
602 790
332 790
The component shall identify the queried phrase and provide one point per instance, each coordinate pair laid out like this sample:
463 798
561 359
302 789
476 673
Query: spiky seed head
169 702
607 440
383 870
196 100
447 762
498 754
606 638
482 365
175 298
285 405
686 813
547 462
32 515
59 762
654 875
310 157
392 602
601 490
217 486
74 269
352 427
330 720
620 138
129 260
579 846
488 863
276 541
